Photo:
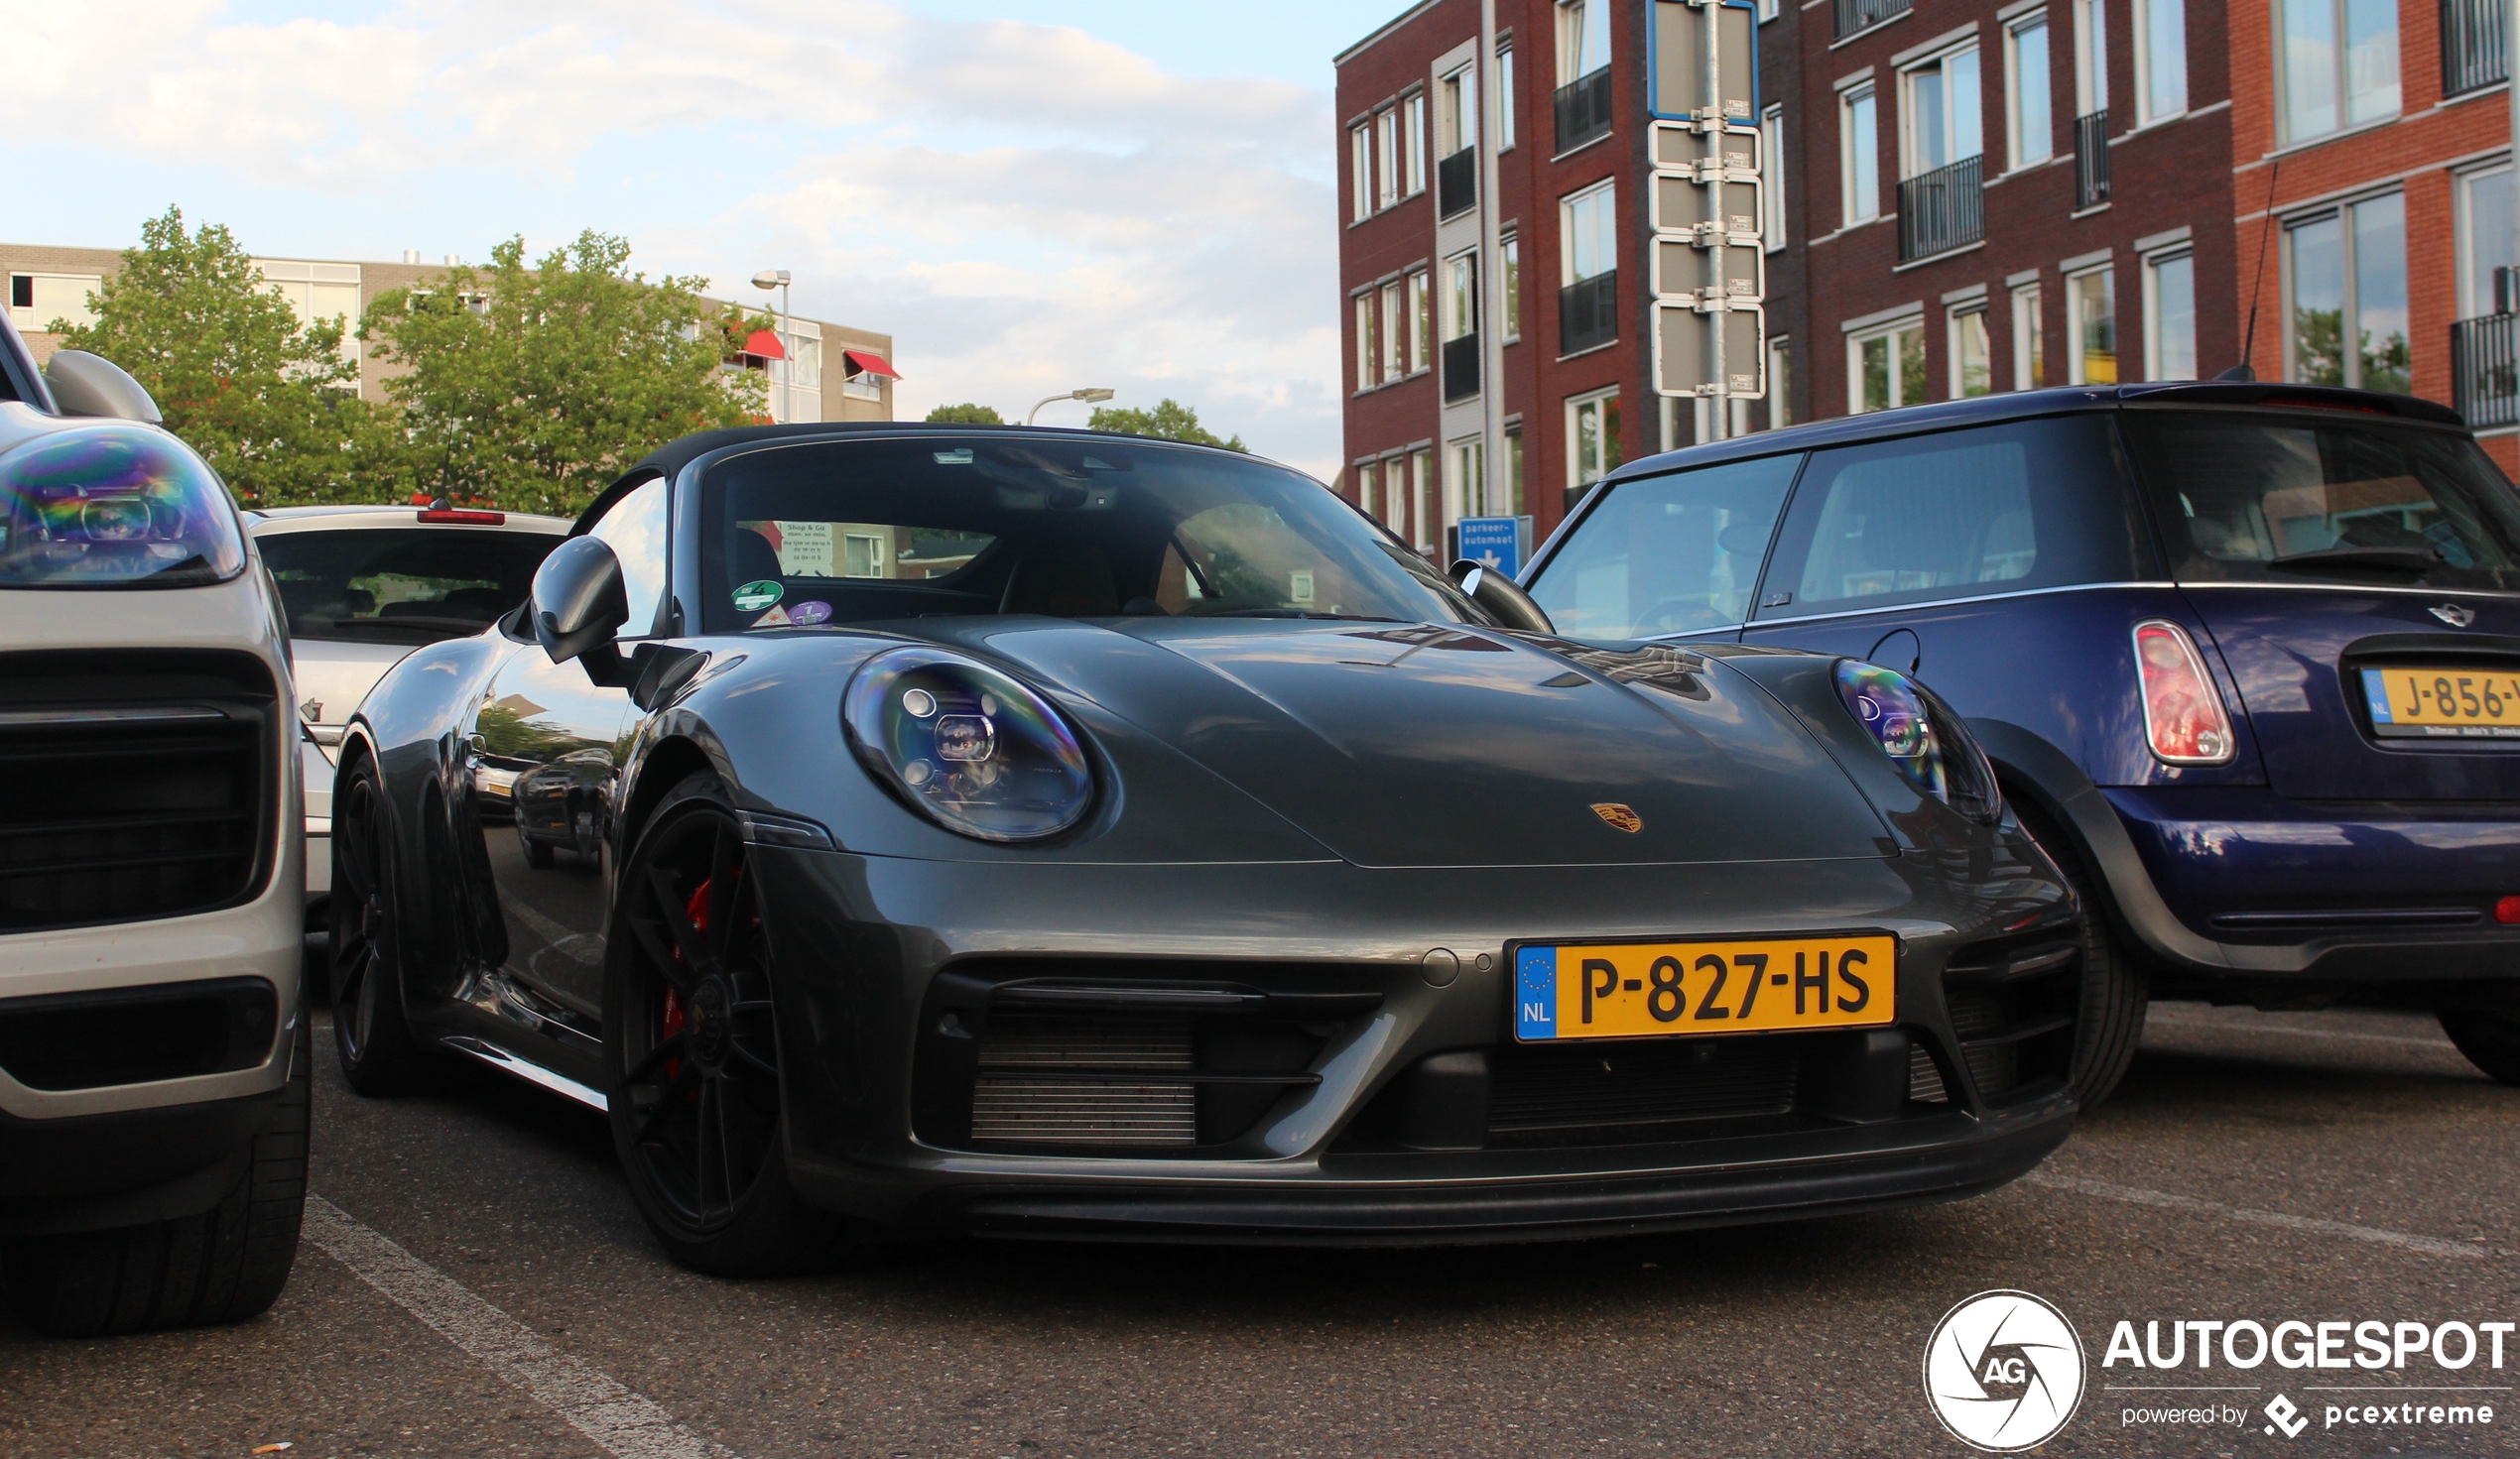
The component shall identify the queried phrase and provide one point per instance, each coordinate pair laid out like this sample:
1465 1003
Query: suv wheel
224 1264
2114 988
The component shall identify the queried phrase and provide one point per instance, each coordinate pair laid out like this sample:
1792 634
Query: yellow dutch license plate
1645 990
2432 703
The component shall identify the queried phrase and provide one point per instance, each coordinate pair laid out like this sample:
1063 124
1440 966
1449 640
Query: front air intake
2013 1002
1059 1078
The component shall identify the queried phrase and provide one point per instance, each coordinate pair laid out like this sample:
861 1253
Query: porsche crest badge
1619 818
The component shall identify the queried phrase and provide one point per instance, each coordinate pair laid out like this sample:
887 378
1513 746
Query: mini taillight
465 517
2507 909
2183 711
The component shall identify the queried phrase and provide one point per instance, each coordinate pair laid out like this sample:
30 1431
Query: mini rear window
113 506
400 586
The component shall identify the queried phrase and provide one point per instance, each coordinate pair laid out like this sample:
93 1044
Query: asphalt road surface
475 1282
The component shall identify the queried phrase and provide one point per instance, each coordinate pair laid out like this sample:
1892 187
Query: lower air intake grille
145 796
2013 1002
1924 1083
137 1036
1610 1094
1037 1084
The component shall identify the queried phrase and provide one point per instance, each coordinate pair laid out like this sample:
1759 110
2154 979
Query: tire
371 1033
2115 988
224 1264
537 855
2490 1041
691 1051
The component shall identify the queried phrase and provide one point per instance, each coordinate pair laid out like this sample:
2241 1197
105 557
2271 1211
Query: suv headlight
966 745
1922 738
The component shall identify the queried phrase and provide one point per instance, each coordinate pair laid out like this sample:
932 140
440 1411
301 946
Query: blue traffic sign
1495 542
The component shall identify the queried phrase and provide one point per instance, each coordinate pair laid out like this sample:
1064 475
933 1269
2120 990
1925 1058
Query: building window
2030 113
1592 441
1885 368
1386 157
1464 478
1780 386
1772 177
2091 56
1513 249
1514 468
1413 143
1461 296
2486 226
1393 338
37 300
1456 111
1360 171
1583 39
1588 226
1365 471
1421 324
1973 353
1942 118
2161 59
2090 322
1505 98
2170 316
1859 156
1421 510
2029 340
1366 353
2350 265
2340 64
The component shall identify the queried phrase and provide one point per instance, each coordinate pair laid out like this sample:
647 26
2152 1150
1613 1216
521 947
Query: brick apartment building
1960 197
821 370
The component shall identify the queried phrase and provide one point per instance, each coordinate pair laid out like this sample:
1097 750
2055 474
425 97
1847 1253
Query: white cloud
1025 208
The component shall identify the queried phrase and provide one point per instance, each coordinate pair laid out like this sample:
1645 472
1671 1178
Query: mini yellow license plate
1644 990
2433 702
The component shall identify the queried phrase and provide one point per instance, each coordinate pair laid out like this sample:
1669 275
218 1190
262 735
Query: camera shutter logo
2004 1372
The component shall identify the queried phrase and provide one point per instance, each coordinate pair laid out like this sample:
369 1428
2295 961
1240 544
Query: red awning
765 343
862 363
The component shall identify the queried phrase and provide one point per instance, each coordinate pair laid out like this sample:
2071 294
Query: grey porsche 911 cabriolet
1063 834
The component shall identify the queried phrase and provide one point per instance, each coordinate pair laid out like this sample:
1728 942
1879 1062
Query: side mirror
1502 597
579 604
91 385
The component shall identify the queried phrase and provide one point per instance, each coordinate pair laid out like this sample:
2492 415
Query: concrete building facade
823 371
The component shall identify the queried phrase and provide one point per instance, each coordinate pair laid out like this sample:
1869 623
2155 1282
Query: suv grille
2013 1002
133 795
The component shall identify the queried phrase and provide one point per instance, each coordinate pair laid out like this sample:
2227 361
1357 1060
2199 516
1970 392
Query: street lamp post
766 279
1089 392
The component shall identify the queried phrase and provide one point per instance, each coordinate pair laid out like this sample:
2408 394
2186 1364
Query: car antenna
2257 283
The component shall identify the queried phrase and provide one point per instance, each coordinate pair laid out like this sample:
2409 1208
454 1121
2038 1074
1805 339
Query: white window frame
1457 309
1505 97
2091 56
2348 242
1368 353
1456 109
2029 338
1574 16
1780 381
1413 141
1420 499
2153 264
2146 11
1857 203
1589 200
1512 248
1394 359
1421 307
2341 78
1361 172
1463 464
2078 358
1896 379
1910 161
2016 153
1386 157
2475 301
1576 405
1955 325
1772 177
1365 483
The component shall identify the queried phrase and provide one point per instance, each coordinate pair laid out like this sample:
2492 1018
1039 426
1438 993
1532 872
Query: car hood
1425 745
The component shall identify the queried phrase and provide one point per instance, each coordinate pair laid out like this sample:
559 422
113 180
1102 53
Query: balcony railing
1584 110
1457 182
2484 357
1589 313
1460 368
2473 48
2090 159
1858 15
1943 210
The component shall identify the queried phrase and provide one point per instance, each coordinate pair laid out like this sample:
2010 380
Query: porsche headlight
970 747
1922 738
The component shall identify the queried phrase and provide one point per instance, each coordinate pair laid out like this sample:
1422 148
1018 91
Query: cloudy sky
1134 194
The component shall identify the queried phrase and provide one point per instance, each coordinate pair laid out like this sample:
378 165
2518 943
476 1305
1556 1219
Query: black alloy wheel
370 1031
692 1041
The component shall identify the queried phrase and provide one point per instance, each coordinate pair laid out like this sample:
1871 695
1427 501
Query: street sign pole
1490 486
1707 261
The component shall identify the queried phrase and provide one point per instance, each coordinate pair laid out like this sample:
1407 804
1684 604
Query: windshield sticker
805 615
752 597
775 617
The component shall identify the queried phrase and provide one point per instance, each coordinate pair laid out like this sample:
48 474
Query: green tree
533 385
1169 421
271 403
965 413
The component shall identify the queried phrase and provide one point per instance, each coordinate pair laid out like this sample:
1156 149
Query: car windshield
113 506
400 584
853 530
2278 498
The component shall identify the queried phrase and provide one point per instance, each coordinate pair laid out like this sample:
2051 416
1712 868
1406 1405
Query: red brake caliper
697 910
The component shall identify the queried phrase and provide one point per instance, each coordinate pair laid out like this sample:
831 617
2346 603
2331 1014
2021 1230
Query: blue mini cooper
2246 658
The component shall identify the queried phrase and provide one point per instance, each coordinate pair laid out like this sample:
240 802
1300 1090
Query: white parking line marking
2431 1246
2437 1046
594 1403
